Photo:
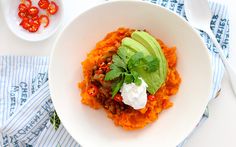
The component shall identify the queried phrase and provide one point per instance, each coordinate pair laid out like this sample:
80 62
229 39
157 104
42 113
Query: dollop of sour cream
133 95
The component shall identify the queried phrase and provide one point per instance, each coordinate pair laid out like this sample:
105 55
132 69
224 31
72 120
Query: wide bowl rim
126 1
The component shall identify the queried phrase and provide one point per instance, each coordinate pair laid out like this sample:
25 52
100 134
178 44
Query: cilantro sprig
125 65
55 120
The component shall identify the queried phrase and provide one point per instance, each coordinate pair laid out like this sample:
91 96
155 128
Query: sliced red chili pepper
43 4
30 25
22 14
151 97
34 22
52 8
44 20
36 17
25 24
24 19
33 28
31 21
22 8
118 98
92 90
33 11
28 3
37 22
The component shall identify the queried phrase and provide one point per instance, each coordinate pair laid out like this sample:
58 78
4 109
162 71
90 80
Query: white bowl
11 16
92 128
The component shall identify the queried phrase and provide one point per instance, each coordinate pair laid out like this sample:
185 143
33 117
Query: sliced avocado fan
141 41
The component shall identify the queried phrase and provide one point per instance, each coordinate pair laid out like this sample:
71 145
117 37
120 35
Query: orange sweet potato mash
123 115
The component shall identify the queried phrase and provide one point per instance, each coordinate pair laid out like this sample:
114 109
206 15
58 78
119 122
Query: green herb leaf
112 74
55 120
135 60
125 53
138 82
152 63
116 86
113 66
122 53
119 62
128 78
126 66
135 74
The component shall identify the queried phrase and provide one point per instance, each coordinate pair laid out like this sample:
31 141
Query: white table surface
218 131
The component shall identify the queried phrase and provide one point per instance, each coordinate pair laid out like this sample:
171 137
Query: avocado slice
143 42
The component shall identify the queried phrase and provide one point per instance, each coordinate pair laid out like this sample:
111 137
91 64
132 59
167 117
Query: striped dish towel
25 104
